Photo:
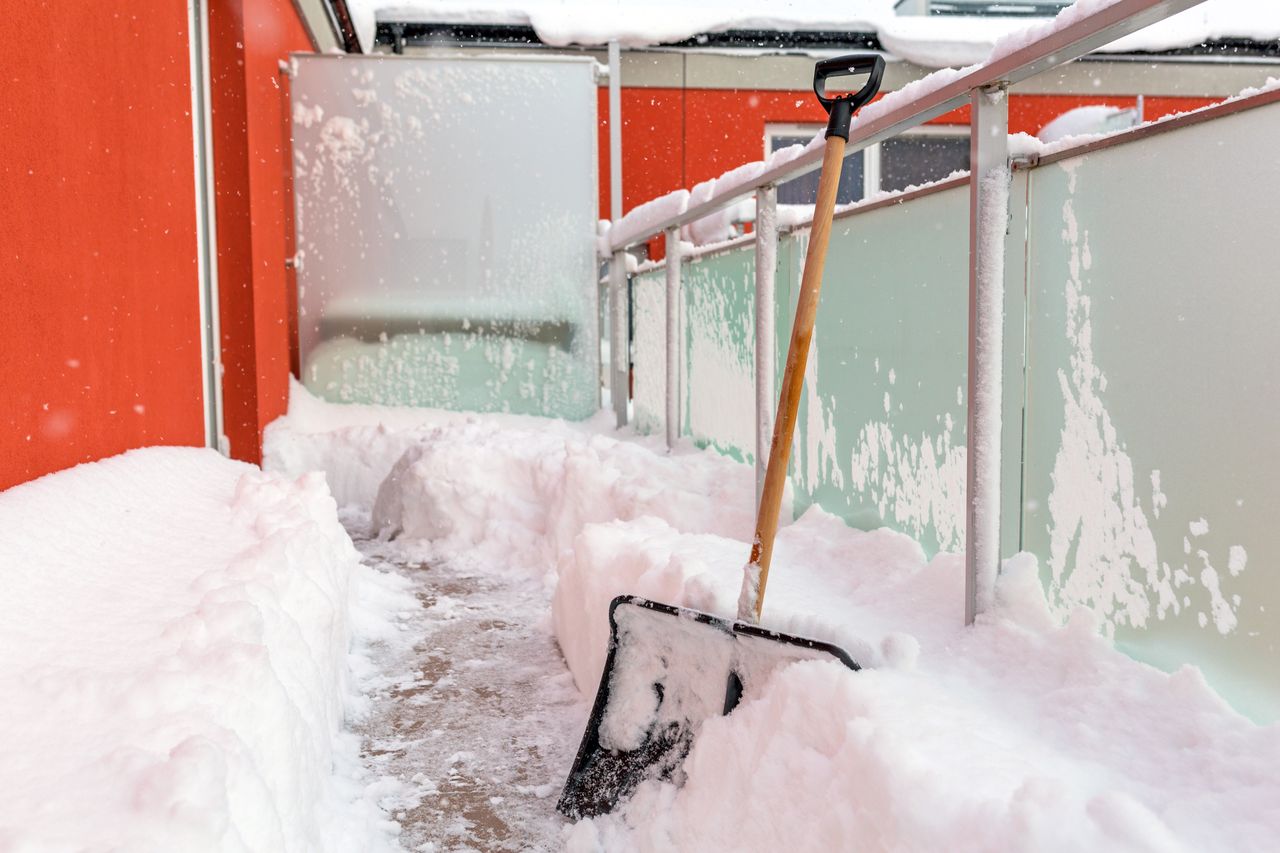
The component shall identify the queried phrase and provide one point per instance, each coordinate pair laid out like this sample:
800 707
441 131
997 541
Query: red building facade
101 326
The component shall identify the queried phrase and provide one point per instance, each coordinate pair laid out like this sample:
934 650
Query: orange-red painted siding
99 324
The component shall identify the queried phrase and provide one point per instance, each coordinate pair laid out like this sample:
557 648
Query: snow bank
521 496
1018 733
651 558
356 445
174 637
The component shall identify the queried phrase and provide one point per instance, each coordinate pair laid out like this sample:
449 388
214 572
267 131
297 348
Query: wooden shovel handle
784 427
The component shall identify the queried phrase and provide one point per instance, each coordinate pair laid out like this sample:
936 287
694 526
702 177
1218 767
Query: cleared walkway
480 720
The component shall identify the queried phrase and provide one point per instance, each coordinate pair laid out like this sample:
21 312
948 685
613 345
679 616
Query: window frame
871 154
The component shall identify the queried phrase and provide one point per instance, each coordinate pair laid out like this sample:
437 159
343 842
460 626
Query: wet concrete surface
478 719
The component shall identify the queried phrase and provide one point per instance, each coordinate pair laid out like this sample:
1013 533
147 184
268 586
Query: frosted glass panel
649 351
880 438
446 214
1152 450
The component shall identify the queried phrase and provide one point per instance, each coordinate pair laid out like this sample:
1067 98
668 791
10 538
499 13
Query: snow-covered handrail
1080 29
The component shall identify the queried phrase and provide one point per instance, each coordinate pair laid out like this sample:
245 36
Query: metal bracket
285 67
1024 161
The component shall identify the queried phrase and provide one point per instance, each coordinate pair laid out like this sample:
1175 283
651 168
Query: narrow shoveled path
478 721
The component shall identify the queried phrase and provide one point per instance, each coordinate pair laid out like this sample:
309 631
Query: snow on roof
932 41
637 23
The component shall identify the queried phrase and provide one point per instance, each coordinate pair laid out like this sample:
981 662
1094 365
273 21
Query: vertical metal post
988 223
206 226
615 131
619 356
674 340
766 230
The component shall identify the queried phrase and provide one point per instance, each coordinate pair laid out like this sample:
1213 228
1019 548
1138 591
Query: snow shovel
670 668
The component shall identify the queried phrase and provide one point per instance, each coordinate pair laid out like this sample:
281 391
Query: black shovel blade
668 669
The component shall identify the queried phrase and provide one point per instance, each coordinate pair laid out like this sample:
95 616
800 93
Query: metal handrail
1086 145
1058 47
984 89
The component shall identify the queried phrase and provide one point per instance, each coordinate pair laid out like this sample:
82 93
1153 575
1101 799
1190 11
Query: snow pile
646 219
1209 21
945 41
355 445
1017 733
651 558
521 496
1087 121
1082 126
720 226
174 637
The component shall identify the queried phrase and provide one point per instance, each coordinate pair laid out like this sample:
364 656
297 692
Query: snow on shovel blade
668 670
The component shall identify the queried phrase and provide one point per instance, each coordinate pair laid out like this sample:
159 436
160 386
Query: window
804 189
916 157
922 155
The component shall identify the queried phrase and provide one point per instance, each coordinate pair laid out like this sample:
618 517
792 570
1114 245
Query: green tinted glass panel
880 439
718 387
1152 452
649 351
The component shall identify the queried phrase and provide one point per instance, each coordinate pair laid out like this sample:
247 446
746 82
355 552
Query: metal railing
984 89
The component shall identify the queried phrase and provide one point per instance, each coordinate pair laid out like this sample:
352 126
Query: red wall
99 324
254 210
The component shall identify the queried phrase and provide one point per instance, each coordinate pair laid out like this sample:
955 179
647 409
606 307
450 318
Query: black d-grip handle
840 108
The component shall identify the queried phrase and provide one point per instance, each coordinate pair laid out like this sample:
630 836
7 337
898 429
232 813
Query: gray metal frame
673 337
619 357
766 231
206 227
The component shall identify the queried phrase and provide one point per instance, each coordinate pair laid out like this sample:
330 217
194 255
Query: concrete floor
479 720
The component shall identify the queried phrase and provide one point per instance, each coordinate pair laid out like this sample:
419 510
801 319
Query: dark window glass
909 160
804 189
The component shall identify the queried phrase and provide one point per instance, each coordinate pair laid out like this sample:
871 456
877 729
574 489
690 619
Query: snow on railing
1077 30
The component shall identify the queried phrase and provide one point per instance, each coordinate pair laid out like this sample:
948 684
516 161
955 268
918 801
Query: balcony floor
478 719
